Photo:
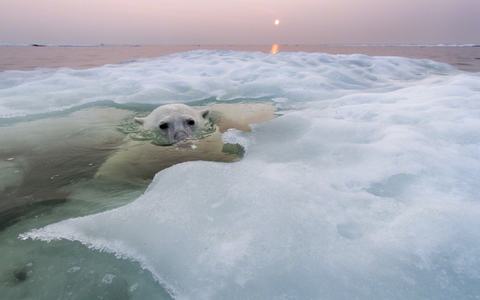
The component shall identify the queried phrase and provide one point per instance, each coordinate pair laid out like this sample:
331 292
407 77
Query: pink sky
239 22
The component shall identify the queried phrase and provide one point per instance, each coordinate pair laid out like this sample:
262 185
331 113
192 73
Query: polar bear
176 122
49 158
137 161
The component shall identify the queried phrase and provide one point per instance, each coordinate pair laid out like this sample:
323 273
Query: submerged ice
365 187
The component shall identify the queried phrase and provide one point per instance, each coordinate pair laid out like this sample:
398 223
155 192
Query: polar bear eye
163 126
190 122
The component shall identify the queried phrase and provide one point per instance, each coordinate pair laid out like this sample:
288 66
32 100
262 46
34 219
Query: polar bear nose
180 135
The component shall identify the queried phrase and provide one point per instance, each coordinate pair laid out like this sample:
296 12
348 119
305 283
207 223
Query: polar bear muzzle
177 129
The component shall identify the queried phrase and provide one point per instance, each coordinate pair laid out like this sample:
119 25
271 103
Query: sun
276 22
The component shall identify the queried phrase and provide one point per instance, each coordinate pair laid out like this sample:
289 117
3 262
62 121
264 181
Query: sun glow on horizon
275 48
276 22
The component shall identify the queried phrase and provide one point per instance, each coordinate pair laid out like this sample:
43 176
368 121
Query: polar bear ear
139 120
205 113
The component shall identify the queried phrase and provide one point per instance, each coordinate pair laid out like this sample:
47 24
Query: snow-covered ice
366 187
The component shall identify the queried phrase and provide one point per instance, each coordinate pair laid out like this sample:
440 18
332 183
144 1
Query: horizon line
378 44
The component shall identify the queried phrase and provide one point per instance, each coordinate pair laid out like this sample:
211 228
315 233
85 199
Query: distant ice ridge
448 45
370 193
413 45
198 75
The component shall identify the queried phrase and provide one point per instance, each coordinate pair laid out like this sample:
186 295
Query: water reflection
275 48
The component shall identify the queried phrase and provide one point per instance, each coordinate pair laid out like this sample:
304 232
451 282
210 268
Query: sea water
365 186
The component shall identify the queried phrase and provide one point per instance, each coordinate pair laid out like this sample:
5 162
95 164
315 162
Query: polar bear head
176 122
